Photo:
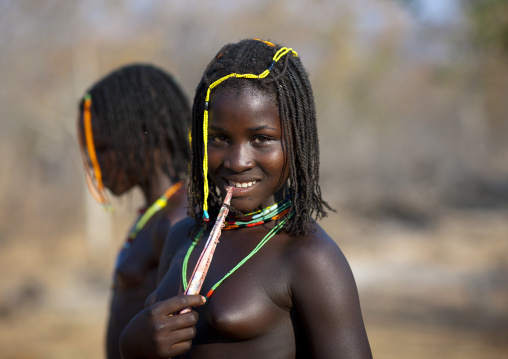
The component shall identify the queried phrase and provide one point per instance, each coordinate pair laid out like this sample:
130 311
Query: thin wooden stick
201 268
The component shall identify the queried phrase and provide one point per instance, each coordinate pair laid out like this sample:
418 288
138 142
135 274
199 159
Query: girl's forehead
244 91
243 101
244 114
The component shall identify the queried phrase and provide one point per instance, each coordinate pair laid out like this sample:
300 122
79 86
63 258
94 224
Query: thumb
176 304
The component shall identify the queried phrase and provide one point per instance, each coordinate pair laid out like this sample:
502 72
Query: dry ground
437 291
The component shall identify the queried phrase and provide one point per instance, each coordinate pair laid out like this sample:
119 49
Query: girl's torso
253 308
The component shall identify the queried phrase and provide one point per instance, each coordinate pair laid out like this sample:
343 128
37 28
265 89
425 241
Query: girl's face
245 147
113 177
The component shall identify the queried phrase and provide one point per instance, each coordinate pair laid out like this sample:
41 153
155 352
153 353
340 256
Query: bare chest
251 303
136 262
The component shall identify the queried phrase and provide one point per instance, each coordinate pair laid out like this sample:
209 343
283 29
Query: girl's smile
245 147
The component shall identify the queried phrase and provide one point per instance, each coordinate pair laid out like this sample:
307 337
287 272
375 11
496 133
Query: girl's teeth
243 185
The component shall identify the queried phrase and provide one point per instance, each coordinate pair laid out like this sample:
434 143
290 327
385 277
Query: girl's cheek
214 158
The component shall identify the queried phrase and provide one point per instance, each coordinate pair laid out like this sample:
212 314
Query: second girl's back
133 131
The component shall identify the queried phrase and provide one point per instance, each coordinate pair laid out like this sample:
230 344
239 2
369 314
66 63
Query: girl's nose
239 158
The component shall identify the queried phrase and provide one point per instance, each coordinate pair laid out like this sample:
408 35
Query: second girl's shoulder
179 233
160 228
177 237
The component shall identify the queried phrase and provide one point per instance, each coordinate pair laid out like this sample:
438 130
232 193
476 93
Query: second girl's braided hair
290 87
141 108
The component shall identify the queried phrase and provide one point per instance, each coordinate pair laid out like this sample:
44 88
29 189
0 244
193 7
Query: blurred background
412 111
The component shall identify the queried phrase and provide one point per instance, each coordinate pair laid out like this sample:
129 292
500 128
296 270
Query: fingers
176 304
175 333
151 335
175 337
159 331
174 323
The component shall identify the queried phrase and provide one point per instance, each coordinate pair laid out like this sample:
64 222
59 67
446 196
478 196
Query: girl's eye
218 138
261 139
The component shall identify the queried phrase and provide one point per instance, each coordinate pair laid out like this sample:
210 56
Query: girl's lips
240 186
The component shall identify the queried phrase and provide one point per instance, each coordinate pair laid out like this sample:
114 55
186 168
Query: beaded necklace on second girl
257 218
149 213
145 217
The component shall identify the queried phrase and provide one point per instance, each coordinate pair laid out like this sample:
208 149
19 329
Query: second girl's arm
177 236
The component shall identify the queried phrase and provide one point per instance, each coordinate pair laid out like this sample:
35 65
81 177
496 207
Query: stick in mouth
199 273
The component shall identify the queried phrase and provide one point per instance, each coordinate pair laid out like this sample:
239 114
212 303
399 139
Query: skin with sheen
279 304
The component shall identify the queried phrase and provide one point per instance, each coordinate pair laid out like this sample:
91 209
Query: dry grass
438 291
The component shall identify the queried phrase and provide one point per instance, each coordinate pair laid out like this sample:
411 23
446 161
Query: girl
278 285
133 130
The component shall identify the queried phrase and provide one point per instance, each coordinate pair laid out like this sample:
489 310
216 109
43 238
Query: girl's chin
246 206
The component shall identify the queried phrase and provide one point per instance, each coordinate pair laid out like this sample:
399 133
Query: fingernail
203 300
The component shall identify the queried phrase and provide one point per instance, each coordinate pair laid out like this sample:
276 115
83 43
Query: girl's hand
159 332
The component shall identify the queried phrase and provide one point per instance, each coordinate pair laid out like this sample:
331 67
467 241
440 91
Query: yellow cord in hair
96 188
278 55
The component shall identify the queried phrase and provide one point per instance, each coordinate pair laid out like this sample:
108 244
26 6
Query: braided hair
142 109
289 85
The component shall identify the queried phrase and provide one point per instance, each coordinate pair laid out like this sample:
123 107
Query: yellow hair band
278 55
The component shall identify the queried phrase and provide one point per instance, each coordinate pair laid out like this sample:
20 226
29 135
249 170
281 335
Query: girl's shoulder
185 223
315 252
160 228
316 239
322 290
179 233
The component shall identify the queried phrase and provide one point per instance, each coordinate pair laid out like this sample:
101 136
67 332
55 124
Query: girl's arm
326 298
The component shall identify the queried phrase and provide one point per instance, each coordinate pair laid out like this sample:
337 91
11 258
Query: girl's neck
155 188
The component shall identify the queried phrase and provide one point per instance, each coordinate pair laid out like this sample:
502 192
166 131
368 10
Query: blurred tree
483 54
413 5
489 24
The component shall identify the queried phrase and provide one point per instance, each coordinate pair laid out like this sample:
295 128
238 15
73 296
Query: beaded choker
252 219
257 218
